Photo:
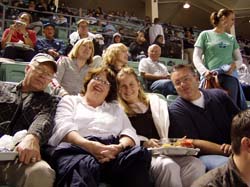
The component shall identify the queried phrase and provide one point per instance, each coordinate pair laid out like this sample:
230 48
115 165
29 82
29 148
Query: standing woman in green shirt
221 53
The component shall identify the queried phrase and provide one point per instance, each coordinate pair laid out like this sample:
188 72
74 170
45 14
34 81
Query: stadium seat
171 98
170 62
248 104
12 72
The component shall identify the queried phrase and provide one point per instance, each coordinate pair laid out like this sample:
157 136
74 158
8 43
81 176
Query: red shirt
16 36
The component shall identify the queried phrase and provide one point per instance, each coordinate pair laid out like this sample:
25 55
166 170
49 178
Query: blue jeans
213 161
163 86
233 86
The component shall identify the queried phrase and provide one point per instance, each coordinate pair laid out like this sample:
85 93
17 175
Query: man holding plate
204 116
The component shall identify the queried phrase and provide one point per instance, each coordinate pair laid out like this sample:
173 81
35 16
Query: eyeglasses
99 79
47 75
184 80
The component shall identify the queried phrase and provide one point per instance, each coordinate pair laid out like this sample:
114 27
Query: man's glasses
186 79
99 79
40 71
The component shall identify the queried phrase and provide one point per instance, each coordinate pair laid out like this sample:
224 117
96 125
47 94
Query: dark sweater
212 123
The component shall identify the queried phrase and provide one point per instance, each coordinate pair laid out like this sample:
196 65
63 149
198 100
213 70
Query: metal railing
10 13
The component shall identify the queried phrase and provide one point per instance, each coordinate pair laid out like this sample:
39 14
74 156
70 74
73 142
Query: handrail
71 26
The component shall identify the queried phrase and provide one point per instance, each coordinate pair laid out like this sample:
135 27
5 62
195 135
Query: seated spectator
201 115
18 41
27 107
149 108
83 32
32 5
115 39
59 19
98 44
109 28
244 78
154 73
50 44
95 140
36 24
236 172
73 69
116 57
155 30
159 41
139 47
90 17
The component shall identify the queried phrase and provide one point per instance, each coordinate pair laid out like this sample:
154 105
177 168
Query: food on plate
177 143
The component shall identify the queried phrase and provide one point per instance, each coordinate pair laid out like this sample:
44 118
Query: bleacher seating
12 72
170 62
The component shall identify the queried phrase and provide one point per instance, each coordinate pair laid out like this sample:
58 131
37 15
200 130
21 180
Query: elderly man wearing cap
50 44
26 106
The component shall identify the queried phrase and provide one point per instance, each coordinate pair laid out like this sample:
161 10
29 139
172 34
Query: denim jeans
213 161
233 86
163 86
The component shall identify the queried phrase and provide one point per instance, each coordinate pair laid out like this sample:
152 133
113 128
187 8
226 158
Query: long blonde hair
74 51
110 56
141 94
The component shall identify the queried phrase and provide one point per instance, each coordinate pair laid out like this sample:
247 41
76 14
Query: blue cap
48 24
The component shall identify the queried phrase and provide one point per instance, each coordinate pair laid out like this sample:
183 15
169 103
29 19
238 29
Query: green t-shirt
217 48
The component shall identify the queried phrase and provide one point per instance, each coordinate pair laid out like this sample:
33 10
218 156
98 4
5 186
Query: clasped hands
105 153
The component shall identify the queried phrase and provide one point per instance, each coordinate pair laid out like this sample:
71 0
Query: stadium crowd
91 119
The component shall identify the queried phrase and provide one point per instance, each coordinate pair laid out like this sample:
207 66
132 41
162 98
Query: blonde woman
116 56
72 69
148 114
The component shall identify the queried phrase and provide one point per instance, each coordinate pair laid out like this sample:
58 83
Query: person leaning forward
26 106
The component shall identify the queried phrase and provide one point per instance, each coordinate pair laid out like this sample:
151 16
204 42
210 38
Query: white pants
176 171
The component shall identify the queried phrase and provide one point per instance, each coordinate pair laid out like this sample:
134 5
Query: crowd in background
89 74
105 23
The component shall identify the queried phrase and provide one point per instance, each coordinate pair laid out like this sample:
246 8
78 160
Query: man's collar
16 88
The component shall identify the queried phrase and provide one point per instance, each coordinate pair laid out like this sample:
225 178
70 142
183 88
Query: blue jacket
43 45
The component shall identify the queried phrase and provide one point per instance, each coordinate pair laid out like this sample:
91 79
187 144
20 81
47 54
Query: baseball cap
48 24
43 57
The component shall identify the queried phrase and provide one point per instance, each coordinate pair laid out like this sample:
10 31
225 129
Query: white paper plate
21 45
172 150
5 156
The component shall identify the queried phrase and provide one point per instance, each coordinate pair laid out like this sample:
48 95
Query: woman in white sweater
149 116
